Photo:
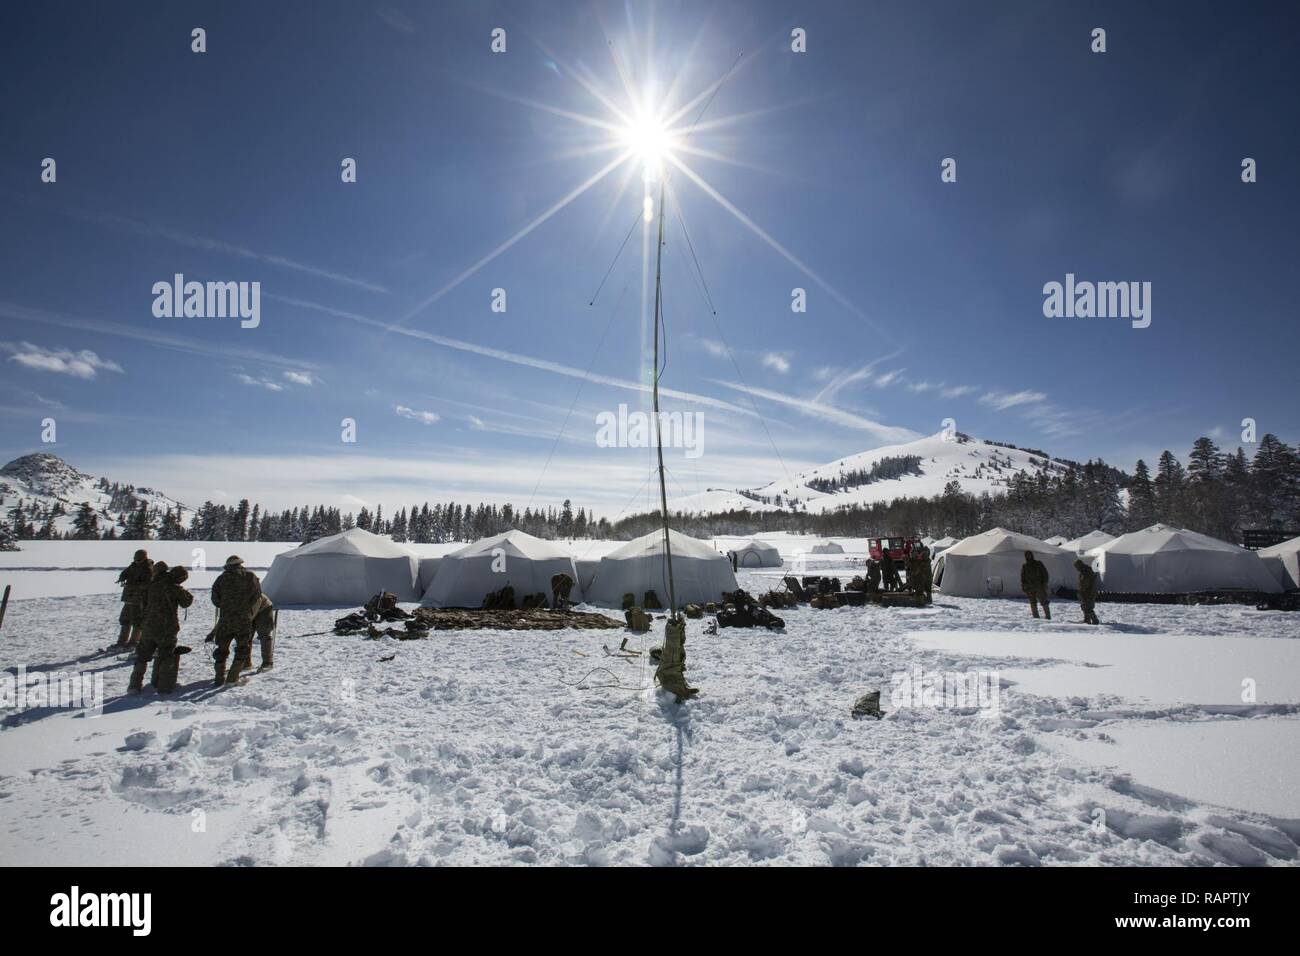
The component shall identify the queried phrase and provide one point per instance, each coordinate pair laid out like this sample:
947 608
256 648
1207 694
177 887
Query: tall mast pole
659 438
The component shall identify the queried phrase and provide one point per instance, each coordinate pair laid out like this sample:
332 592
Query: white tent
1093 539
757 554
829 547
700 573
1284 561
1167 560
587 568
514 558
347 568
927 540
943 544
988 565
428 568
1056 541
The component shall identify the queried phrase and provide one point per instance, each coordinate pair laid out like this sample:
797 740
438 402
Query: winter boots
166 668
136 684
219 677
268 654
124 635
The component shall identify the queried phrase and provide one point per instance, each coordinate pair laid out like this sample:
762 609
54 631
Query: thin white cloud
776 362
840 379
957 391
514 358
267 384
1004 400
427 418
883 381
712 346
828 413
83 363
396 19
217 245
151 335
300 378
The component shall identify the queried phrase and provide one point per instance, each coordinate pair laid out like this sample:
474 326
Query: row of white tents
1156 560
351 567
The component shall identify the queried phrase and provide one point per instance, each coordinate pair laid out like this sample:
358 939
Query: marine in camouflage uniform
235 593
919 574
1087 591
161 626
889 571
873 575
264 628
561 586
1033 581
134 581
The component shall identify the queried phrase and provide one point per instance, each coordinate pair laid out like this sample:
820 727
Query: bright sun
650 142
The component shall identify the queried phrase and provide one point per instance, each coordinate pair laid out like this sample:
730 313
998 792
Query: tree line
1215 493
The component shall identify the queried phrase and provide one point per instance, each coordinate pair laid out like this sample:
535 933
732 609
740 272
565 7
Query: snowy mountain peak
44 473
920 468
44 487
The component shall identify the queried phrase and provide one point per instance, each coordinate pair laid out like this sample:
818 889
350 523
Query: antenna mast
659 438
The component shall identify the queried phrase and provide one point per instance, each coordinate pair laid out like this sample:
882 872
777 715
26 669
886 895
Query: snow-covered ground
494 747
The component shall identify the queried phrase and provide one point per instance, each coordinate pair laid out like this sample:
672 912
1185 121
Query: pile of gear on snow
498 613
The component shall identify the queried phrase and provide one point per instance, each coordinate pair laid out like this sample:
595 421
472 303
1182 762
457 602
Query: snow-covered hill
45 484
923 468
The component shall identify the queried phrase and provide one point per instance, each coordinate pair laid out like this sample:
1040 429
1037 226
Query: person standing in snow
919 575
235 593
161 626
888 571
264 627
134 581
1087 591
873 575
1033 581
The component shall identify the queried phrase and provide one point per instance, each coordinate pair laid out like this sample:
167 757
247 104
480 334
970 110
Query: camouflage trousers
1037 597
243 641
130 621
132 614
161 649
1089 614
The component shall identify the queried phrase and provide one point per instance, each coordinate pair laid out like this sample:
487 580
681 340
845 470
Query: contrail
574 194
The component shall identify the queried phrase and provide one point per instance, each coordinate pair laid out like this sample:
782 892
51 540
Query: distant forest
1216 494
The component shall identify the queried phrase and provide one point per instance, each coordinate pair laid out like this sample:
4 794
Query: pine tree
85 526
137 526
1141 498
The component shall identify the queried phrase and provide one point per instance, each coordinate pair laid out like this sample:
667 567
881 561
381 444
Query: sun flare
650 142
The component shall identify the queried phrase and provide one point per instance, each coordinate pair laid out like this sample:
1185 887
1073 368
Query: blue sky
924 298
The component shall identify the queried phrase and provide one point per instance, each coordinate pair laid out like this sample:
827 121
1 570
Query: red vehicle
898 547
